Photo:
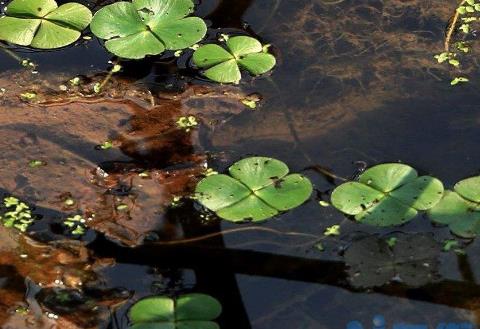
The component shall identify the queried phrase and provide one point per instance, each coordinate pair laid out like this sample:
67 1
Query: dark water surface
356 84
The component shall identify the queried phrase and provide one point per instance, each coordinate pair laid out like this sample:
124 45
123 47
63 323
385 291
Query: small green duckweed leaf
324 203
106 145
42 24
16 214
187 123
192 311
139 28
251 101
320 247
392 241
223 65
28 96
36 163
122 207
75 224
258 188
454 62
449 245
332 231
69 202
460 209
458 80
387 195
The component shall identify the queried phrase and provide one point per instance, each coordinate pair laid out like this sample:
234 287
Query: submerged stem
452 26
11 53
108 77
236 230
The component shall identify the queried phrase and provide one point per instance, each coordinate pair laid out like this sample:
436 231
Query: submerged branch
452 27
236 230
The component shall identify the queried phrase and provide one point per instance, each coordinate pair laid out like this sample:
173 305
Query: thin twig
236 230
109 76
452 26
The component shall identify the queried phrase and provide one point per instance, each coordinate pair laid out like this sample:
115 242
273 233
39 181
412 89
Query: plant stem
108 77
11 53
452 26
236 230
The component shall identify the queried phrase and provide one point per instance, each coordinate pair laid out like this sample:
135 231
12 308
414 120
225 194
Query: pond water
356 85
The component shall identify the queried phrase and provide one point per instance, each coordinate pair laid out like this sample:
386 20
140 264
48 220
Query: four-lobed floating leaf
375 261
460 209
223 65
139 28
387 195
42 24
258 188
192 311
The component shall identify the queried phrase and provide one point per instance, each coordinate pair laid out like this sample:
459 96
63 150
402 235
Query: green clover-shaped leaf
42 24
147 27
258 188
460 209
223 65
192 311
387 194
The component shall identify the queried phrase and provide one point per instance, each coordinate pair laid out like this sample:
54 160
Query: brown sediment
65 135
27 265
339 60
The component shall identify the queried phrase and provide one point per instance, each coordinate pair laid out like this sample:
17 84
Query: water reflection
356 81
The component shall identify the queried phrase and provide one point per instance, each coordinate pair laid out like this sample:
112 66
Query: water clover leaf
42 24
387 195
192 311
139 28
223 65
460 209
375 261
258 188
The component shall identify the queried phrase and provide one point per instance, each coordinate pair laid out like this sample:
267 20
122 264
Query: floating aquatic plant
223 65
375 261
42 24
187 123
75 224
18 214
258 188
387 194
147 27
192 311
466 14
460 209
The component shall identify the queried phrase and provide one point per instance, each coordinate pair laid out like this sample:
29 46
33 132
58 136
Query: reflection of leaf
42 24
387 194
460 209
192 311
373 262
224 66
147 27
258 188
